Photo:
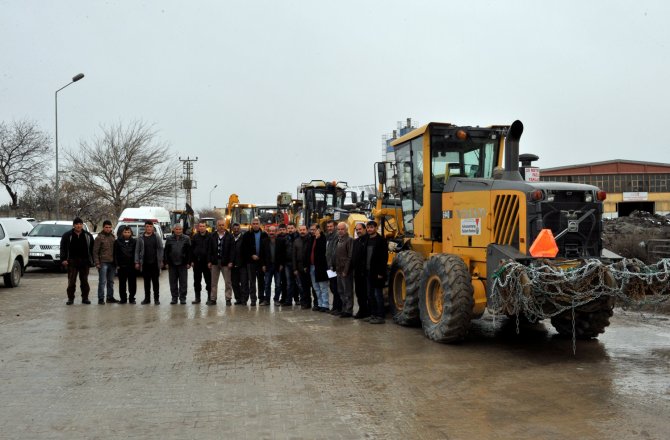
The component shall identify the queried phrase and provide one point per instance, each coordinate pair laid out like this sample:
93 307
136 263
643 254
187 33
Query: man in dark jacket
251 258
178 260
318 268
289 281
220 263
149 260
76 255
273 251
124 251
375 265
201 260
358 261
301 268
238 275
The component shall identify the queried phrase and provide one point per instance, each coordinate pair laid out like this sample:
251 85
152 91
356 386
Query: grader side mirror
354 197
381 173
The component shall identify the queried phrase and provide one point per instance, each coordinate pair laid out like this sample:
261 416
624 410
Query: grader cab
476 235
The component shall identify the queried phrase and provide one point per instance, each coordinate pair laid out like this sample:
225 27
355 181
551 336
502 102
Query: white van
157 214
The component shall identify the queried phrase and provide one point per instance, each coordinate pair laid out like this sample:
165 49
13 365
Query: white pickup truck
14 252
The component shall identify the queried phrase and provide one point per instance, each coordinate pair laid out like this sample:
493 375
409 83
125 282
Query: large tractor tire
590 319
404 286
446 299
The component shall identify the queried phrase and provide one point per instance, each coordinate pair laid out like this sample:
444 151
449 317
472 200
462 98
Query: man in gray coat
345 276
178 261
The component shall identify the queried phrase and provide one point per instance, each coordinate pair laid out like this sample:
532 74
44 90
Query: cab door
5 251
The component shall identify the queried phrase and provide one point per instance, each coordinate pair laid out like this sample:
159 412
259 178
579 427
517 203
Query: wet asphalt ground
193 371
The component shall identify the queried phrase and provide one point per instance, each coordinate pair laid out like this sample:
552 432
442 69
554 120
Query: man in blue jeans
103 257
273 253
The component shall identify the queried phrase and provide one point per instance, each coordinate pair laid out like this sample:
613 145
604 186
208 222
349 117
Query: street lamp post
74 79
210 195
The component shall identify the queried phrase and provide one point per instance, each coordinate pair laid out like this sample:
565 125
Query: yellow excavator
472 234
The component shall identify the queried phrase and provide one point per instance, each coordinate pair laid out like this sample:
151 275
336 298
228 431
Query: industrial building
630 185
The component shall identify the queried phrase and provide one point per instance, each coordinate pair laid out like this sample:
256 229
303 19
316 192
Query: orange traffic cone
544 245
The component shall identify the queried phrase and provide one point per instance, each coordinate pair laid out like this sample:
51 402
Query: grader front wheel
446 299
404 285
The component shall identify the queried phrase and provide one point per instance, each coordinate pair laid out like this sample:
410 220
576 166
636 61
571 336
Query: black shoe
361 315
211 302
145 301
305 307
112 300
228 302
69 302
85 301
196 301
240 303
182 301
324 310
131 301
346 315
316 309
335 312
253 303
123 301
156 302
286 304
376 320
174 301
101 301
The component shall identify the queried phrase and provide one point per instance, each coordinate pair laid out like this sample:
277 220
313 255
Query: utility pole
187 182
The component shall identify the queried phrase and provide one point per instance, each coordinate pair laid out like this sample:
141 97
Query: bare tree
208 212
79 201
125 166
39 199
24 152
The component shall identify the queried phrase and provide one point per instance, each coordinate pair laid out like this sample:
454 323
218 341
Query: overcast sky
269 94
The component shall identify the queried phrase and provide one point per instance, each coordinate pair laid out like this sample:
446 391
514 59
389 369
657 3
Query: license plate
37 254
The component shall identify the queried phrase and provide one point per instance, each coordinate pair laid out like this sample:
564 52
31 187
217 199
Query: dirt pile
630 236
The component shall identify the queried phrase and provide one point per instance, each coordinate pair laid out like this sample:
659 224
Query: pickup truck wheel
13 278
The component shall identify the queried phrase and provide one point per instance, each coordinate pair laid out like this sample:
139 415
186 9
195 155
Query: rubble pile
628 236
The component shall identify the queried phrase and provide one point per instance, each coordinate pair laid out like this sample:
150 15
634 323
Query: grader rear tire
446 299
404 286
590 321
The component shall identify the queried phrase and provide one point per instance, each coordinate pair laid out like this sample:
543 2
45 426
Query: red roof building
629 184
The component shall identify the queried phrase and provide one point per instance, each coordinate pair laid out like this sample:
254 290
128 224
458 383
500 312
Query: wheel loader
241 213
323 201
468 214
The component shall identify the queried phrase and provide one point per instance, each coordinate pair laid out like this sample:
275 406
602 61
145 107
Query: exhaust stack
512 152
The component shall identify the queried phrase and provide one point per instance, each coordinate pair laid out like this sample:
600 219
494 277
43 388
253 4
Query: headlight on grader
588 197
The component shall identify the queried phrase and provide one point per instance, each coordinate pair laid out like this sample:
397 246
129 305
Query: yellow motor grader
476 235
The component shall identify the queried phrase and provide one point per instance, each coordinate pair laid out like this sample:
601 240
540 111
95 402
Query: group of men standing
306 266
